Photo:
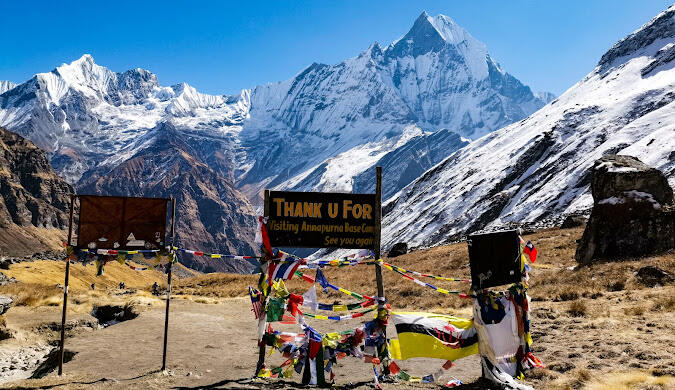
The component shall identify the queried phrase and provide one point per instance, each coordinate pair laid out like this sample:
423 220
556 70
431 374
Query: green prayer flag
275 310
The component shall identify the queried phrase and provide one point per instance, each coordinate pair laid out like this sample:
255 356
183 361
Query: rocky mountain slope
211 215
33 198
287 134
331 123
537 169
405 106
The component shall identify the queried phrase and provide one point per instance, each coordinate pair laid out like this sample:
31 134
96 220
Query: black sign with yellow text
321 220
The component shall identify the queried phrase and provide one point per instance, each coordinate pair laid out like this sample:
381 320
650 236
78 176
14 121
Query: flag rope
426 275
425 284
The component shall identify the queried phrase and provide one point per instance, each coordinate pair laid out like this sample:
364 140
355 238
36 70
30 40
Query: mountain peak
433 33
441 25
660 27
83 70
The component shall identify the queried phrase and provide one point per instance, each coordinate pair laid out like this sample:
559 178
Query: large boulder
633 212
398 249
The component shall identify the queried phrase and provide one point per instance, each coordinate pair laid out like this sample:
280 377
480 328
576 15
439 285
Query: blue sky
222 47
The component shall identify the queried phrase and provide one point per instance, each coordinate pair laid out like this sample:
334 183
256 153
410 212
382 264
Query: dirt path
211 345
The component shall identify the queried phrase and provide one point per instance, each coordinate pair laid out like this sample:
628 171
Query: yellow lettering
356 212
332 210
278 201
346 206
288 209
367 209
308 209
317 210
298 210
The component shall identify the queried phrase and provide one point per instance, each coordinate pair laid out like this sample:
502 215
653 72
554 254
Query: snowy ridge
85 114
436 76
6 86
538 168
406 106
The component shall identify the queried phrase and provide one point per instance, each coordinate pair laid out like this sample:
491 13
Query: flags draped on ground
432 335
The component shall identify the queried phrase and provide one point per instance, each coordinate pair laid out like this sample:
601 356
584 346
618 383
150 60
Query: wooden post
261 279
377 250
378 234
168 288
65 287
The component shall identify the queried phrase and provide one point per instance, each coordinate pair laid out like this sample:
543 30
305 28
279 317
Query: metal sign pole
65 288
168 289
261 280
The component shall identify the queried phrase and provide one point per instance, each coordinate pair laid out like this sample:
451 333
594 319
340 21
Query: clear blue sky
224 46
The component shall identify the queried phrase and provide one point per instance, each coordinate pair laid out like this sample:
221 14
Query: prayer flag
432 335
283 271
529 249
321 279
310 299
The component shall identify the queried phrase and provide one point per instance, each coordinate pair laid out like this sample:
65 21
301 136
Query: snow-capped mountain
538 168
287 134
6 86
436 76
84 114
405 106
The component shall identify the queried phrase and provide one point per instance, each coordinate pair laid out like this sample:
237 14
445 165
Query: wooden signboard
321 220
116 222
494 259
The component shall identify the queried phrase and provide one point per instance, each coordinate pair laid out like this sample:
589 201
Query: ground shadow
479 384
92 382
267 384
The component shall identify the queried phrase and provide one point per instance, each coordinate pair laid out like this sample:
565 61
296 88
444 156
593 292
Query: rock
5 303
572 221
651 276
31 195
398 249
633 212
4 280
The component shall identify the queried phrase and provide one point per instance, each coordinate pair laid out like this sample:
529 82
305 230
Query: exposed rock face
32 195
652 276
211 214
572 221
633 211
400 248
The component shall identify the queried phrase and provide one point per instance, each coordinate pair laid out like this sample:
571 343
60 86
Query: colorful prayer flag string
309 279
214 255
425 284
396 268
337 318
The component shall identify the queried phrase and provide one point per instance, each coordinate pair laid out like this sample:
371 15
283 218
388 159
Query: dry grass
577 308
51 273
664 303
587 321
631 380
33 294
